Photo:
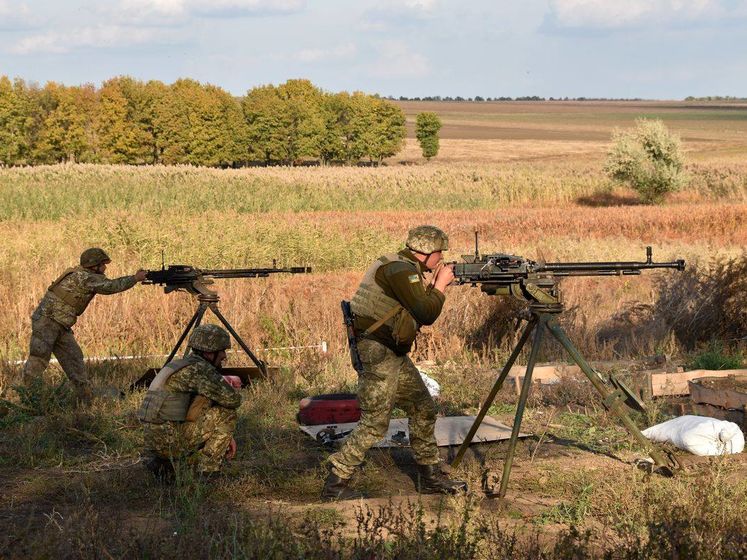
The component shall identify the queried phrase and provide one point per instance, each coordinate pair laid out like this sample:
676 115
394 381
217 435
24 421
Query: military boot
161 468
432 481
337 488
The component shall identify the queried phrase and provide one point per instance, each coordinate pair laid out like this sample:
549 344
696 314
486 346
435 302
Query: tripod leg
195 319
201 314
539 331
259 363
612 401
493 392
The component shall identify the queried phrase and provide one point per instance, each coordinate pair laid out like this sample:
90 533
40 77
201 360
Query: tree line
133 122
479 98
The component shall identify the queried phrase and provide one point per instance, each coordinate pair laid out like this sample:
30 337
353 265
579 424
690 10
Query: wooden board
724 392
542 375
671 384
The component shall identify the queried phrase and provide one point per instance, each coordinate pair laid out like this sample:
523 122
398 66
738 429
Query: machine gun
195 281
499 273
536 283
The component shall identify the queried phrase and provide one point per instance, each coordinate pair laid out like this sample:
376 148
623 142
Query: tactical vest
371 301
161 405
77 302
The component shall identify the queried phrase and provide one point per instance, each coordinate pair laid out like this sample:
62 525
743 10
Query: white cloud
244 7
399 12
98 37
396 60
345 51
161 12
611 14
15 15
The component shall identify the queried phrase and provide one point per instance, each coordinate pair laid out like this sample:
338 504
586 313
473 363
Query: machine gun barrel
253 272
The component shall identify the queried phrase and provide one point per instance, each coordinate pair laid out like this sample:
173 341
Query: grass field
528 177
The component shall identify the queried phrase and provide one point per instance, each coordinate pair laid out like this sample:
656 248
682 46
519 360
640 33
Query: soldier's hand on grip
140 275
444 277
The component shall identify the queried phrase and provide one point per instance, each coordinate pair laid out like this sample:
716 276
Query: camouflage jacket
70 294
202 378
401 281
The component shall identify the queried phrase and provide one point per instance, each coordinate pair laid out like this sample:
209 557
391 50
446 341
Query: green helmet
427 240
94 257
209 338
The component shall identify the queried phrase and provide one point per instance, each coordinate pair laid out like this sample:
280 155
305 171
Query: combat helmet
209 338
94 257
427 240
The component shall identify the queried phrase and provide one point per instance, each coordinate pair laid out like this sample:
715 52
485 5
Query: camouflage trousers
388 380
203 443
49 337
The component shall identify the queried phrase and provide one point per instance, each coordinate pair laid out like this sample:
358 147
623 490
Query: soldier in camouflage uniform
189 411
389 306
66 299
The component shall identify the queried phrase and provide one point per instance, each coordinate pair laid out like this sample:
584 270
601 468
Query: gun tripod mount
536 283
183 278
210 301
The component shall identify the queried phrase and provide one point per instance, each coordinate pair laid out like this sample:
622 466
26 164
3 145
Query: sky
653 49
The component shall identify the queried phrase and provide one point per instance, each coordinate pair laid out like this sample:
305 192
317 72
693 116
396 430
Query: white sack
699 435
431 384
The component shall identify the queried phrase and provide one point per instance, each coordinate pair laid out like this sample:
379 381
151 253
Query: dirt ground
121 488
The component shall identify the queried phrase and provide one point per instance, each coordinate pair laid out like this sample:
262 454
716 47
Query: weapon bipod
544 318
210 301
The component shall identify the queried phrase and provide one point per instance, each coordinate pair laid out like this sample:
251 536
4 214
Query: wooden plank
542 375
671 384
713 391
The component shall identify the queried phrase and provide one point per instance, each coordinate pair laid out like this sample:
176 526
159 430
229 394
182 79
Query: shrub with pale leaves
649 158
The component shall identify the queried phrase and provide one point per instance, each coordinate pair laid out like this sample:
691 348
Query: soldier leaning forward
389 306
65 300
189 411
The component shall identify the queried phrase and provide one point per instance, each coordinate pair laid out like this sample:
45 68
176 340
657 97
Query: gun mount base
210 301
543 319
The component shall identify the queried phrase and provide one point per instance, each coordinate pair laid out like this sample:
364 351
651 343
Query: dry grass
72 490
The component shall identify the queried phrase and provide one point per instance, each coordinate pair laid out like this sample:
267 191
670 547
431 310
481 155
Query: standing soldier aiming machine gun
537 284
178 277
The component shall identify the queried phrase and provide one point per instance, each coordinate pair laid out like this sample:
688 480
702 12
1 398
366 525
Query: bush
715 356
427 126
649 158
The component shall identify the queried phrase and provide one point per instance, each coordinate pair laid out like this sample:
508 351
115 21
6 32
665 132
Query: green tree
67 132
16 119
125 122
346 121
649 158
285 123
199 125
262 109
427 126
385 134
302 120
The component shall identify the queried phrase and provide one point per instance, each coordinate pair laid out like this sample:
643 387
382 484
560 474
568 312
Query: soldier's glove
231 451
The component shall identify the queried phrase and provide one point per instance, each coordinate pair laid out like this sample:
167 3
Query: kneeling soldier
390 305
189 411
52 321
